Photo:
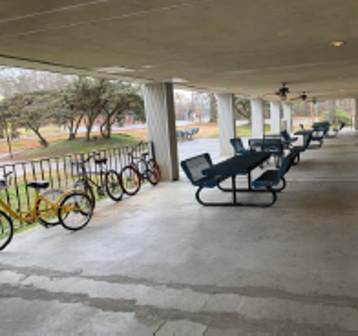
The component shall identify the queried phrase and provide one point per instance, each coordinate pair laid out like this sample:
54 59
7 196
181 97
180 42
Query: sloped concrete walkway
161 264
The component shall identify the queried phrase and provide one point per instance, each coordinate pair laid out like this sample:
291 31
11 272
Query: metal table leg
233 180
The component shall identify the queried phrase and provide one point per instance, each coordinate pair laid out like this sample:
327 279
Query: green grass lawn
245 130
80 145
44 131
241 131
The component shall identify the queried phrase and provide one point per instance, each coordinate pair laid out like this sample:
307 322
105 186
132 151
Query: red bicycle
140 169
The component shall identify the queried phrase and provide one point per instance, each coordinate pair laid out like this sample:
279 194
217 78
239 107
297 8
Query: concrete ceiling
247 47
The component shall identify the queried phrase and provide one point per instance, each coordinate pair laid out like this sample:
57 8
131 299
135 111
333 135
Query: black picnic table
305 134
238 165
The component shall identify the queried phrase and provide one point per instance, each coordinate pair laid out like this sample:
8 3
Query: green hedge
340 117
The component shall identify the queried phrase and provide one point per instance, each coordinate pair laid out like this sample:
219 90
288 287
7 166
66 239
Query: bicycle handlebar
4 181
92 156
132 152
6 175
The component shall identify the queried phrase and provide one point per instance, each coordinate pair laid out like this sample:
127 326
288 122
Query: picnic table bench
288 140
204 174
273 177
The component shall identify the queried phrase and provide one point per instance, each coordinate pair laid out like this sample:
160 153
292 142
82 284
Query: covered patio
161 264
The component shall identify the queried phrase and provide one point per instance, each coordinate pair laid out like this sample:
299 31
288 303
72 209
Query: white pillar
160 114
287 116
257 116
226 120
275 116
331 111
356 114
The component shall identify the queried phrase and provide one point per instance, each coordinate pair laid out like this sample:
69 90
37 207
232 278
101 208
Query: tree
340 117
88 99
16 80
32 110
213 108
243 107
120 99
8 126
67 113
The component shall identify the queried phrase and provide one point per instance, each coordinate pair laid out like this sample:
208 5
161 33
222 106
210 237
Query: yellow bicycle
72 209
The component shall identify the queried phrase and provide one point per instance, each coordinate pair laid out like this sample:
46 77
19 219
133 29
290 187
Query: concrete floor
160 263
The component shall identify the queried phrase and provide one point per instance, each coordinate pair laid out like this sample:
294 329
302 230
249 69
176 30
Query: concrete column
356 114
226 121
257 116
160 114
275 116
331 111
287 116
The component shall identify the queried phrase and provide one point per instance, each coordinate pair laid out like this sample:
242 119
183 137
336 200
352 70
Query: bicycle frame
134 162
93 183
84 175
33 214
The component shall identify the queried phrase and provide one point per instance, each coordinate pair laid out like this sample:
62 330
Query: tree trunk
71 136
89 126
109 124
43 141
102 130
70 128
78 123
91 118
106 127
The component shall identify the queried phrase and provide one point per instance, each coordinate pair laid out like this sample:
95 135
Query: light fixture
220 89
338 44
178 80
147 66
114 70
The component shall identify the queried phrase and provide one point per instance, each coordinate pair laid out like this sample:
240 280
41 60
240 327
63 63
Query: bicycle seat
38 184
3 184
101 161
144 154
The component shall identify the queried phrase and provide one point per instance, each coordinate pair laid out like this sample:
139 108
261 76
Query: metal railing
60 172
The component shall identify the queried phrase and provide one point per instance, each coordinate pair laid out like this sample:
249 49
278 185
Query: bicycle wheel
113 185
83 186
153 173
75 211
130 179
6 230
42 207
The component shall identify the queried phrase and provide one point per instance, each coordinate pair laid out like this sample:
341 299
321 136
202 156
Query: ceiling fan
303 96
282 92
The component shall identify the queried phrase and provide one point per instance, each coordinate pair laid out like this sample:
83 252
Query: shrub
340 117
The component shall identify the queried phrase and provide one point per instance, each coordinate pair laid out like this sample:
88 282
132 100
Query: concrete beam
275 116
226 120
160 113
257 116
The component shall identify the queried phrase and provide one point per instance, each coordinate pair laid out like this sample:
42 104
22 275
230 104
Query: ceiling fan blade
270 94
